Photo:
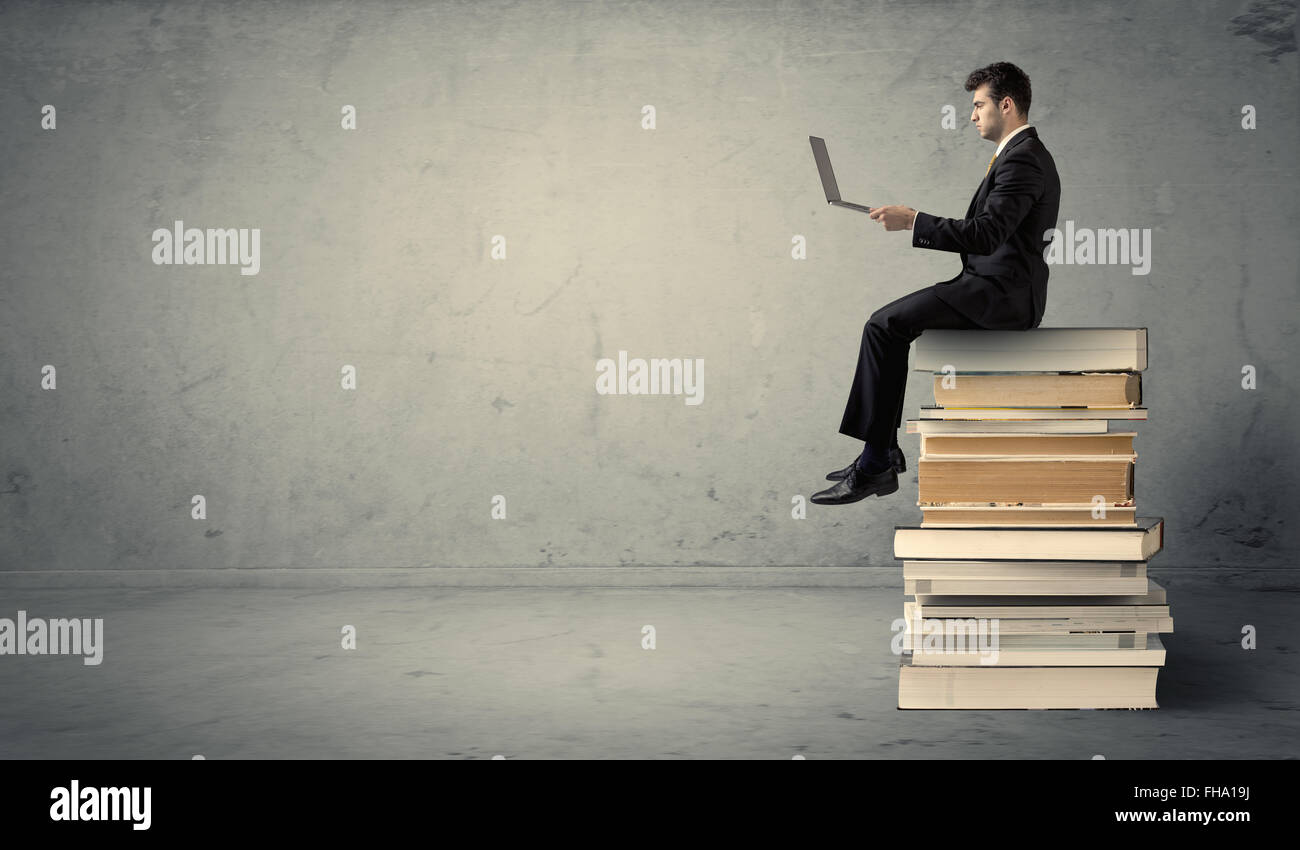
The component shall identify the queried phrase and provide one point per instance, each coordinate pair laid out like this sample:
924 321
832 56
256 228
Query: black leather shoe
858 485
895 456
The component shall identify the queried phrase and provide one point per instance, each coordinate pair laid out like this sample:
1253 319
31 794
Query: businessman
1002 284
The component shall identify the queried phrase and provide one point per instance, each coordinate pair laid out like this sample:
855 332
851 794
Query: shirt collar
1010 137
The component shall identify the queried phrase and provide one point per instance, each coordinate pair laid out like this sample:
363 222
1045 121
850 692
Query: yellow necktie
990 168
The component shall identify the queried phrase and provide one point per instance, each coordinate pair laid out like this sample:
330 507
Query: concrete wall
476 376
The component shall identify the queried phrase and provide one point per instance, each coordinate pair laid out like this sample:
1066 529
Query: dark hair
1005 80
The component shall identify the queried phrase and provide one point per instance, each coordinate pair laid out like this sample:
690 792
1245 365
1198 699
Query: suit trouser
874 411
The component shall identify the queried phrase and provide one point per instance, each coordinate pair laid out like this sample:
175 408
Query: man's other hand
894 216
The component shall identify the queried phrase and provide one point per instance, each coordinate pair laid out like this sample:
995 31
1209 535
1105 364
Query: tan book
936 639
1083 516
1015 481
998 687
1013 570
976 444
1024 586
1041 651
1138 414
1079 389
1151 601
1006 426
1078 623
1036 350
1103 543
1085 625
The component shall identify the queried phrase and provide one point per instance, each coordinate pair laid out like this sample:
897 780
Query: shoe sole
884 491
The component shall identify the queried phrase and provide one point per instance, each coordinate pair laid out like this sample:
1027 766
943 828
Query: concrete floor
559 673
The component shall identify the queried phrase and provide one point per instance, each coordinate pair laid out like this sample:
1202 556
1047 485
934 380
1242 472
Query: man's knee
880 321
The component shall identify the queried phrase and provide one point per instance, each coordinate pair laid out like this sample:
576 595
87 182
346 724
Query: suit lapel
1015 140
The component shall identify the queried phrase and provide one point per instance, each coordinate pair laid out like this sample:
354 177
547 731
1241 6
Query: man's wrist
912 223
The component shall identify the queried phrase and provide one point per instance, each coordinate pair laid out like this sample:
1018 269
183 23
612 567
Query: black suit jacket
1003 280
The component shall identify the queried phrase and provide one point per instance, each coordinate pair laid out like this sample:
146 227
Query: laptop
828 176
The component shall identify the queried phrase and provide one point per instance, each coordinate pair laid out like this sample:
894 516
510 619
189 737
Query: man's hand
894 216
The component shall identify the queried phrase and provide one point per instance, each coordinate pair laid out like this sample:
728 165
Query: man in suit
1002 284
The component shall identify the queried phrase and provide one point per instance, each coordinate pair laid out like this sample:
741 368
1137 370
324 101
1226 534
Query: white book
1061 609
1024 569
1006 426
1103 543
1035 587
1056 651
1035 350
930 411
1152 593
1059 622
922 686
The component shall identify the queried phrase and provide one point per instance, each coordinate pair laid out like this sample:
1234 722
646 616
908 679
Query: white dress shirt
1003 144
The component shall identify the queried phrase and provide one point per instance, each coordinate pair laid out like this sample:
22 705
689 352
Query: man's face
985 113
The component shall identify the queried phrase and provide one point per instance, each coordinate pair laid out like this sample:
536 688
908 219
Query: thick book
1100 650
1134 414
1035 350
998 687
1012 570
1151 601
979 444
1003 426
1022 516
1103 543
1025 481
1082 624
1031 585
968 588
934 635
1025 578
1072 389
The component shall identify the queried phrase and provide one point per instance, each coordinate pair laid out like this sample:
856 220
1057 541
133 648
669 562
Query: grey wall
476 376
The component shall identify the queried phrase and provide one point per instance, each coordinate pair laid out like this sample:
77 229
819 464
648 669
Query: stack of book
1028 572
